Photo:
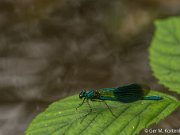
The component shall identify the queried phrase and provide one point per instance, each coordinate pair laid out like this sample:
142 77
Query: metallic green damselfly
125 94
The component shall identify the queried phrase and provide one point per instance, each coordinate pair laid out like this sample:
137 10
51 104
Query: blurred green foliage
165 53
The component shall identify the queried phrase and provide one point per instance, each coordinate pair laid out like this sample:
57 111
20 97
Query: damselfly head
82 94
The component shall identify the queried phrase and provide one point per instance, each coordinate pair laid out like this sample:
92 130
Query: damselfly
125 94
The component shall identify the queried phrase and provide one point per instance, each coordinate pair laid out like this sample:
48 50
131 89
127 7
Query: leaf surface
165 53
62 118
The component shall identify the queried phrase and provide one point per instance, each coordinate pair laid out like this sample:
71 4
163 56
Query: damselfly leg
81 104
106 105
88 112
109 109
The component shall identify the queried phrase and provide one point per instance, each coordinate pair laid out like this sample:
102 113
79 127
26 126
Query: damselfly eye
80 95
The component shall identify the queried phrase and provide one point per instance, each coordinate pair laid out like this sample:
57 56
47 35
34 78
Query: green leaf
62 118
165 53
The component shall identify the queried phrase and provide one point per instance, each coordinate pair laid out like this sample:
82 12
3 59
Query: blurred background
50 49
